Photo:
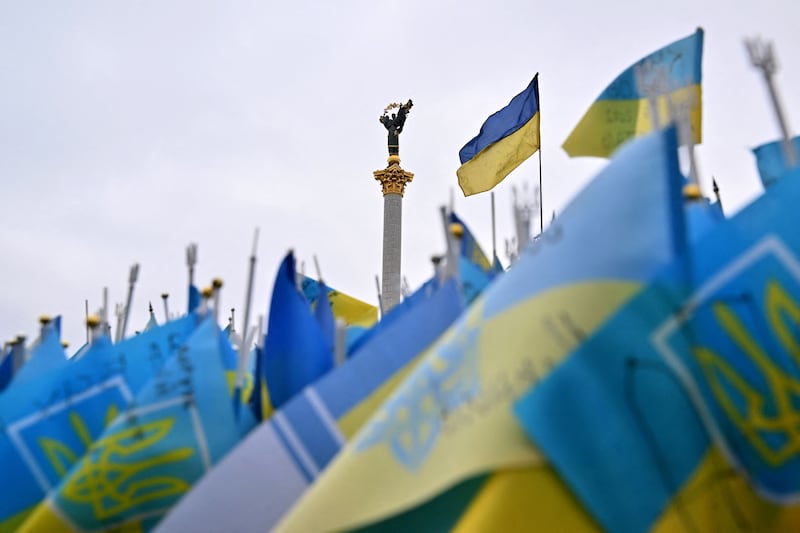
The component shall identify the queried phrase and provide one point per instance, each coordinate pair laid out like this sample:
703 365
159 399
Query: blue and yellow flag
282 457
638 406
670 77
50 421
771 160
506 139
150 453
450 419
353 311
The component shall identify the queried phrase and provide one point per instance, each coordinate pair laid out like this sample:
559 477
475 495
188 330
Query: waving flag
281 458
506 139
180 424
673 367
671 76
450 419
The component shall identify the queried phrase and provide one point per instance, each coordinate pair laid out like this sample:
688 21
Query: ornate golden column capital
393 178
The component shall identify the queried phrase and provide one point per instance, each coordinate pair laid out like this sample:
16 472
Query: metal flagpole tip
691 191
164 295
216 283
64 344
92 321
457 230
207 292
45 319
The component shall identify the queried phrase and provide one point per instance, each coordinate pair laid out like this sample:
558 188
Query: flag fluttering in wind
670 78
450 418
506 139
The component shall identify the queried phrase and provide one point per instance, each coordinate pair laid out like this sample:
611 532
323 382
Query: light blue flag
771 160
634 406
48 355
295 353
282 457
48 422
149 456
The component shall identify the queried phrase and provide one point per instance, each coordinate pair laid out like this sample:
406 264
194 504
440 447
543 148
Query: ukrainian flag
507 138
671 76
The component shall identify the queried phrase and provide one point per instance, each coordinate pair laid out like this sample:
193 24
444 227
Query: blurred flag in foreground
671 76
281 458
450 419
634 406
506 139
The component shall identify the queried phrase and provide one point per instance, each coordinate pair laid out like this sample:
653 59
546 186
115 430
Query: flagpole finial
45 319
207 292
692 192
92 321
457 230
64 344
216 283
164 295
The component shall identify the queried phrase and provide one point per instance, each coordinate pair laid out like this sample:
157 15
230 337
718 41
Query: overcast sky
129 129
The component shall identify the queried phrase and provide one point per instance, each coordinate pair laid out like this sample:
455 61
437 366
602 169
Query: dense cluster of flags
636 368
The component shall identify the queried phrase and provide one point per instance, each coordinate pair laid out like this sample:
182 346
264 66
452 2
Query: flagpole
164 297
541 204
246 332
494 234
86 318
762 57
132 277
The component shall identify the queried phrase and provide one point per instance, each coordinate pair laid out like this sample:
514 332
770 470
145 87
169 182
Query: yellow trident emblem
754 421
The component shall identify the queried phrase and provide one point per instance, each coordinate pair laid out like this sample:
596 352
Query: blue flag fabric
194 299
771 160
180 424
48 355
302 437
324 316
6 370
295 353
48 422
634 406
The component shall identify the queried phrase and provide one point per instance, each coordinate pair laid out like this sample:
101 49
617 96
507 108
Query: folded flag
506 139
295 351
281 458
450 418
771 160
670 77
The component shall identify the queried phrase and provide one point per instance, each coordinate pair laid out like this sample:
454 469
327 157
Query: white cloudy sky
129 129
